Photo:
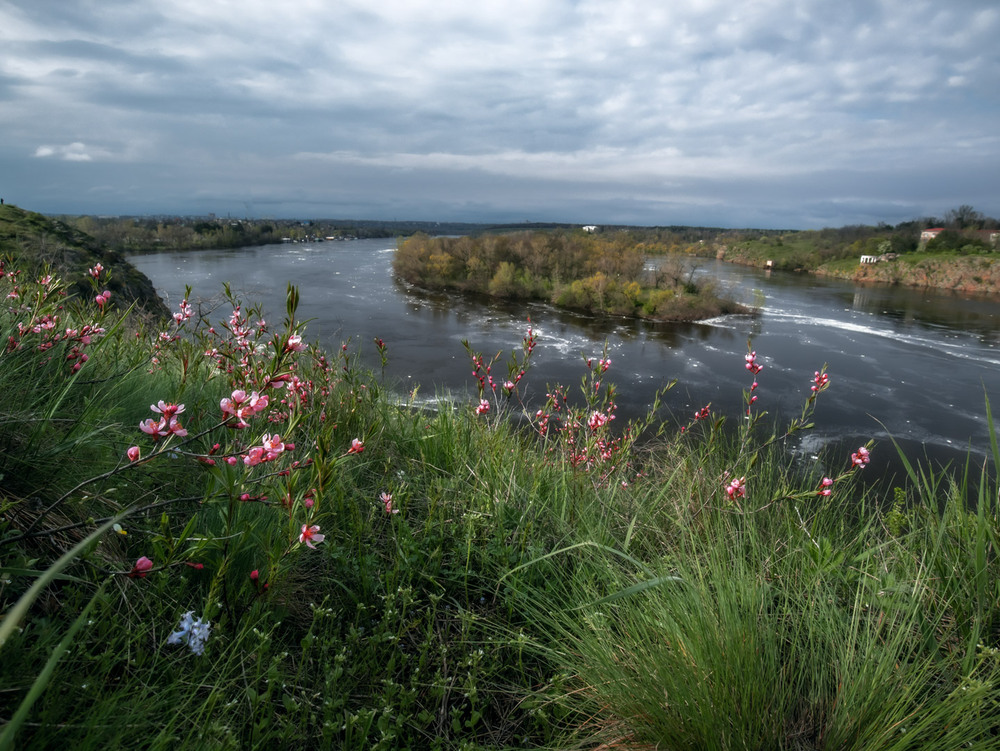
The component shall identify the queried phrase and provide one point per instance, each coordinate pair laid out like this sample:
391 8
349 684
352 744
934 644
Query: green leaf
629 591
31 572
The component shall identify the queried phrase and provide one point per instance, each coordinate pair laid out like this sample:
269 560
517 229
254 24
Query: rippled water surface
913 364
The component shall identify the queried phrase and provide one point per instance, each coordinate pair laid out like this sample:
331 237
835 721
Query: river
915 365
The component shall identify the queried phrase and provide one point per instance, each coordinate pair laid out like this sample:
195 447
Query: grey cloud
629 108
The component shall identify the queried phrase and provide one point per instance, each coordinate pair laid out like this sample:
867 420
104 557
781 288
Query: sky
790 114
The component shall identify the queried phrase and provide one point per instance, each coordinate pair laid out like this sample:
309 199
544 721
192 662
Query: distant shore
969 274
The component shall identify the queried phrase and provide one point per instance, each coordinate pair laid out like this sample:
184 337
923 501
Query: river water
911 364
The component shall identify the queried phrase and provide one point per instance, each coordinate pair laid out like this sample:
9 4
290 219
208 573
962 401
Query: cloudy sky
736 113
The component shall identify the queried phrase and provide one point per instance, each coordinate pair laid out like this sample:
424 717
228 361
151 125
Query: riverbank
256 537
976 274
976 271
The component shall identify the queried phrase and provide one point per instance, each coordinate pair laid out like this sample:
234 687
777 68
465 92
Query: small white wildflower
191 631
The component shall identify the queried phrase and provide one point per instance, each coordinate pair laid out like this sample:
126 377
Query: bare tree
964 217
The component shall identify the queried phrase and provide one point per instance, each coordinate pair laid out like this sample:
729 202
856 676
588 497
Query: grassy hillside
37 243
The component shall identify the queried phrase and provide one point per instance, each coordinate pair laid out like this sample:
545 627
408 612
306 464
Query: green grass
520 598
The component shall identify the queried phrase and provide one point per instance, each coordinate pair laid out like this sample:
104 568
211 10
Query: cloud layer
773 113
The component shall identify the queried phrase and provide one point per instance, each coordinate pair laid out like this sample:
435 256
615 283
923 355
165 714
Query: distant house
988 236
589 228
869 259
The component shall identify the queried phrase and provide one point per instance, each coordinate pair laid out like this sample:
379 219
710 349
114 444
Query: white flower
191 631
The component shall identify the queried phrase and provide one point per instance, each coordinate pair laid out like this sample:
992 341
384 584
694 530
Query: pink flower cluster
825 487
240 406
270 449
737 488
239 347
602 364
598 420
482 373
483 407
102 298
386 499
860 457
45 325
820 382
185 313
754 367
167 424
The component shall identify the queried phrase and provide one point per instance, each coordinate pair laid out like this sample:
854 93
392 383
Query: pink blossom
295 344
102 298
273 446
484 406
703 413
141 568
310 535
174 428
752 364
357 446
860 457
825 487
133 454
254 456
167 410
386 499
737 488
597 420
155 428
96 270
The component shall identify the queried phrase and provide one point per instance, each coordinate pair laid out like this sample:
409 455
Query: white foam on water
959 350
564 345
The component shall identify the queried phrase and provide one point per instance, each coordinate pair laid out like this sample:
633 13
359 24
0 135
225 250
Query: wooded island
597 273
